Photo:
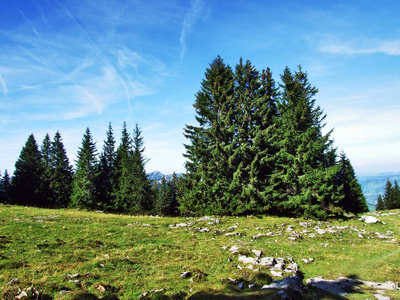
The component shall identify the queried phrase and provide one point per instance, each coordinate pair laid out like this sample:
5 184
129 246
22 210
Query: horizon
66 66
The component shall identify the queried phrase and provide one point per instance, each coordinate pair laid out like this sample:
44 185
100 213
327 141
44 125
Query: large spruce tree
258 149
353 198
62 173
107 170
5 188
132 189
208 175
305 171
26 182
84 194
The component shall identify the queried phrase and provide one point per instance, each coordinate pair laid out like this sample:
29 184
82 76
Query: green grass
128 255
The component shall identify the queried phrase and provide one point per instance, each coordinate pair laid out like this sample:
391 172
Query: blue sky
68 65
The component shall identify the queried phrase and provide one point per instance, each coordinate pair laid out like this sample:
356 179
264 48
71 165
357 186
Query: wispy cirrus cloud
4 86
358 46
188 22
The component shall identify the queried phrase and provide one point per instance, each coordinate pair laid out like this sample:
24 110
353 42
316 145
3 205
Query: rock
257 252
204 230
240 285
186 274
380 297
283 295
232 234
305 260
13 281
266 261
292 268
258 236
276 274
292 283
247 260
234 249
369 219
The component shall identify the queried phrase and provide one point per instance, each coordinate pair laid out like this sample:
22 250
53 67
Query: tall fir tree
388 196
208 175
353 200
45 179
305 181
84 194
62 173
26 182
133 192
107 171
5 188
380 205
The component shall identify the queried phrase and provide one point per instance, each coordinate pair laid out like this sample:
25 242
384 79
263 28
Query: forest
258 148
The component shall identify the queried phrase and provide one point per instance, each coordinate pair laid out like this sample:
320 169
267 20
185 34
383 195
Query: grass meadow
64 254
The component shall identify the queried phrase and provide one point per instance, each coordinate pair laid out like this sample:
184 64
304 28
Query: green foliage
380 204
353 200
106 171
61 173
84 194
391 197
132 189
5 188
26 188
260 149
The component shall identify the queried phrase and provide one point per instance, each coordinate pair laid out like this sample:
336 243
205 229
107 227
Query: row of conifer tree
114 181
390 198
258 148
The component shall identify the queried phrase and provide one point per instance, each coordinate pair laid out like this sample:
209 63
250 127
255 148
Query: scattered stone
240 285
186 274
13 281
233 234
2 236
64 292
234 249
257 252
380 297
292 238
292 283
204 230
258 236
369 219
73 276
276 274
247 260
266 261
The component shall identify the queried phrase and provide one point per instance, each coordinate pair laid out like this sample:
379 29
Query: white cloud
188 23
359 46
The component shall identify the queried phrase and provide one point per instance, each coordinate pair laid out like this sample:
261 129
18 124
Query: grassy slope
123 254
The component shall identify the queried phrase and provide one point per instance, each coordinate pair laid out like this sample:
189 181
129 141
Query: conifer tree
62 173
380 204
396 195
84 194
107 170
26 186
388 197
353 200
133 192
45 179
5 188
208 175
305 183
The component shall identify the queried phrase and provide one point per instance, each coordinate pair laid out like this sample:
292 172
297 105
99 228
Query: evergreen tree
62 173
388 196
208 175
396 195
84 194
353 200
391 196
305 182
107 170
133 193
380 204
161 200
45 179
5 188
26 185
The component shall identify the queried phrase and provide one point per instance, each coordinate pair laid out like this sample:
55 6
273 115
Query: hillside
73 254
374 184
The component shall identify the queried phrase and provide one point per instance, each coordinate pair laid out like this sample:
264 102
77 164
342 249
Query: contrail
3 83
188 22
